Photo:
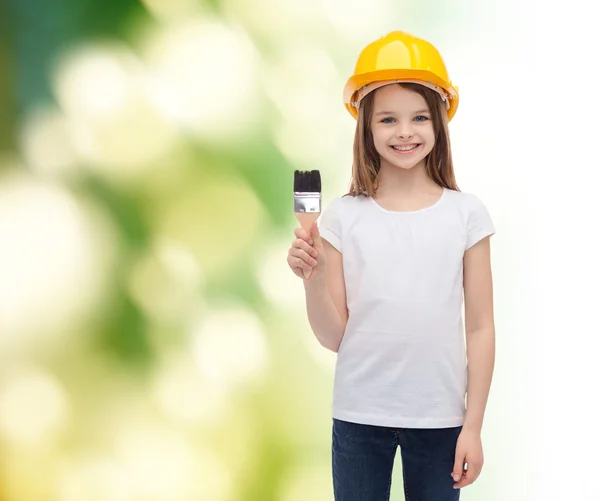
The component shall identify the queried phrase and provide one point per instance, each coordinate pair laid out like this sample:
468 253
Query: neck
397 181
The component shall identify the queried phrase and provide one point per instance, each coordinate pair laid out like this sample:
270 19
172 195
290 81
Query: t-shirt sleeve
479 222
330 223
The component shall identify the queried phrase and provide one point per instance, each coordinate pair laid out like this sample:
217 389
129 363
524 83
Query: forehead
396 97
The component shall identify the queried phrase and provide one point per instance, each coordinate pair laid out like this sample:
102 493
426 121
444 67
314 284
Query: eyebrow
391 112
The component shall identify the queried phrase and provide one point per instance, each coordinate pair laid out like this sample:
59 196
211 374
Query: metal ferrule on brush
307 202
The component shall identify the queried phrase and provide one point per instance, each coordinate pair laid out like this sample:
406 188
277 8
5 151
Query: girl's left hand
468 450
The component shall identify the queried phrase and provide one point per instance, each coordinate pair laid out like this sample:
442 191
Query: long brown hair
366 163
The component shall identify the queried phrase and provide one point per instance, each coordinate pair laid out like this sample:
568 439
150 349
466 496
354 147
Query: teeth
405 148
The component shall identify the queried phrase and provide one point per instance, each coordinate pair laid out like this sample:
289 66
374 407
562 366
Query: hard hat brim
355 82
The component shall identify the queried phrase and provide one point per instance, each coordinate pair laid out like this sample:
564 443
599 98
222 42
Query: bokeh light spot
33 405
230 347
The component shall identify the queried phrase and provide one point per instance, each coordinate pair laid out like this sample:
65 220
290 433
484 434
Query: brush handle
306 219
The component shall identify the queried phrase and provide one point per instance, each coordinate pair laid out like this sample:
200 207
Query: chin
406 165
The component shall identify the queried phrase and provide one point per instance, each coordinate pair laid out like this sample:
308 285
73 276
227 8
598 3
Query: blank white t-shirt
402 360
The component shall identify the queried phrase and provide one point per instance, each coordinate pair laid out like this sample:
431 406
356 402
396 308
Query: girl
390 262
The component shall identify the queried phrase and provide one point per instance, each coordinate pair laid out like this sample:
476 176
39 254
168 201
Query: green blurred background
153 342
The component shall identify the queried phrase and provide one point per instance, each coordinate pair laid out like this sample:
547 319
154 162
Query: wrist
471 427
316 281
316 285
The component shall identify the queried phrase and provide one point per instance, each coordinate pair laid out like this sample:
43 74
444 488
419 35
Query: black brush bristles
308 181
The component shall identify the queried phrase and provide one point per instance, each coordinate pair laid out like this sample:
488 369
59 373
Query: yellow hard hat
399 57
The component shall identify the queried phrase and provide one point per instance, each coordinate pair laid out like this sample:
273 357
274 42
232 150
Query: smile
404 149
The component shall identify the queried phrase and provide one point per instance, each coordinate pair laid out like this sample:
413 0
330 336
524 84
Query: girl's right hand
307 253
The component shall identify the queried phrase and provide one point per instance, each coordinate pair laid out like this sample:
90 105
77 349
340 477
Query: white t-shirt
402 360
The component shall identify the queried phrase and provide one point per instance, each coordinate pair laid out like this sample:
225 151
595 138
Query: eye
421 118
387 118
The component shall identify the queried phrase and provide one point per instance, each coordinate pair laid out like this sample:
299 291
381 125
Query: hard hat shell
399 56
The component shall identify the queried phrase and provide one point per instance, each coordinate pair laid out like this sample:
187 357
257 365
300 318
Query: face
402 127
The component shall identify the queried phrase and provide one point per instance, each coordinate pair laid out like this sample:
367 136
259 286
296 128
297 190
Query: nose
404 130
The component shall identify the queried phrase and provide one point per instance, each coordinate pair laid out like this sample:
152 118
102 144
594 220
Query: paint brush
307 200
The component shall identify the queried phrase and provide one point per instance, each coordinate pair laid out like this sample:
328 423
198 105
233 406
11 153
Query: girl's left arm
480 331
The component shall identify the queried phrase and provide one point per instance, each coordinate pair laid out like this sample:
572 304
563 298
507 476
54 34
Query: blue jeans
363 458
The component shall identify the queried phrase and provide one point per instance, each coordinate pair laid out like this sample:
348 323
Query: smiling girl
391 263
